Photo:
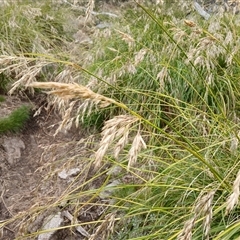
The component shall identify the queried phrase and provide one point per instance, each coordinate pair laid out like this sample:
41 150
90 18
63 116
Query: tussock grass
170 86
2 98
15 121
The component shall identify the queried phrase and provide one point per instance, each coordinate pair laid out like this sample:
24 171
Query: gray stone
65 174
52 222
109 189
13 147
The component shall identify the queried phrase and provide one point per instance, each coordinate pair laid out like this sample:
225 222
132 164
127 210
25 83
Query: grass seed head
73 91
204 207
117 127
233 198
137 144
186 233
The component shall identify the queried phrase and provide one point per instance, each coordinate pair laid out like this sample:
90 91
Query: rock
103 25
201 11
109 189
13 147
80 229
214 6
64 174
52 222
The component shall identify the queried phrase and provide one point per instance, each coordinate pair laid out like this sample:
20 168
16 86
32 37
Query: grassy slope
179 81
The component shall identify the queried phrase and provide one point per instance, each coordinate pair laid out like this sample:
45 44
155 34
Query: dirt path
39 169
30 162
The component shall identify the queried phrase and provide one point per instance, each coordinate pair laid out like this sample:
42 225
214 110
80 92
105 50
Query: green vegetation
15 121
165 91
4 82
2 98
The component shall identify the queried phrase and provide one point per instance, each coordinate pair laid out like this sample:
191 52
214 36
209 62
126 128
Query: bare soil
32 180
30 186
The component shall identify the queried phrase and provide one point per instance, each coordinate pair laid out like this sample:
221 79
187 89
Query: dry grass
184 76
203 207
85 100
136 146
233 198
25 70
106 228
73 91
115 128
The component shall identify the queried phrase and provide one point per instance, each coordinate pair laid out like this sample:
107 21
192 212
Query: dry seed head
26 77
131 68
105 228
233 199
189 23
64 76
71 91
146 27
228 38
116 127
186 233
203 207
30 13
139 56
203 203
89 10
230 56
159 2
137 144
5 3
234 145
121 143
163 76
178 34
127 38
207 211
24 69
67 120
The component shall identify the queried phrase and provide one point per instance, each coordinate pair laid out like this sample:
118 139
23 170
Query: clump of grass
174 126
31 28
4 83
15 121
181 77
2 98
95 119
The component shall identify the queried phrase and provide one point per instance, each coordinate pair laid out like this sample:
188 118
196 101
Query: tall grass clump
29 31
179 78
168 150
